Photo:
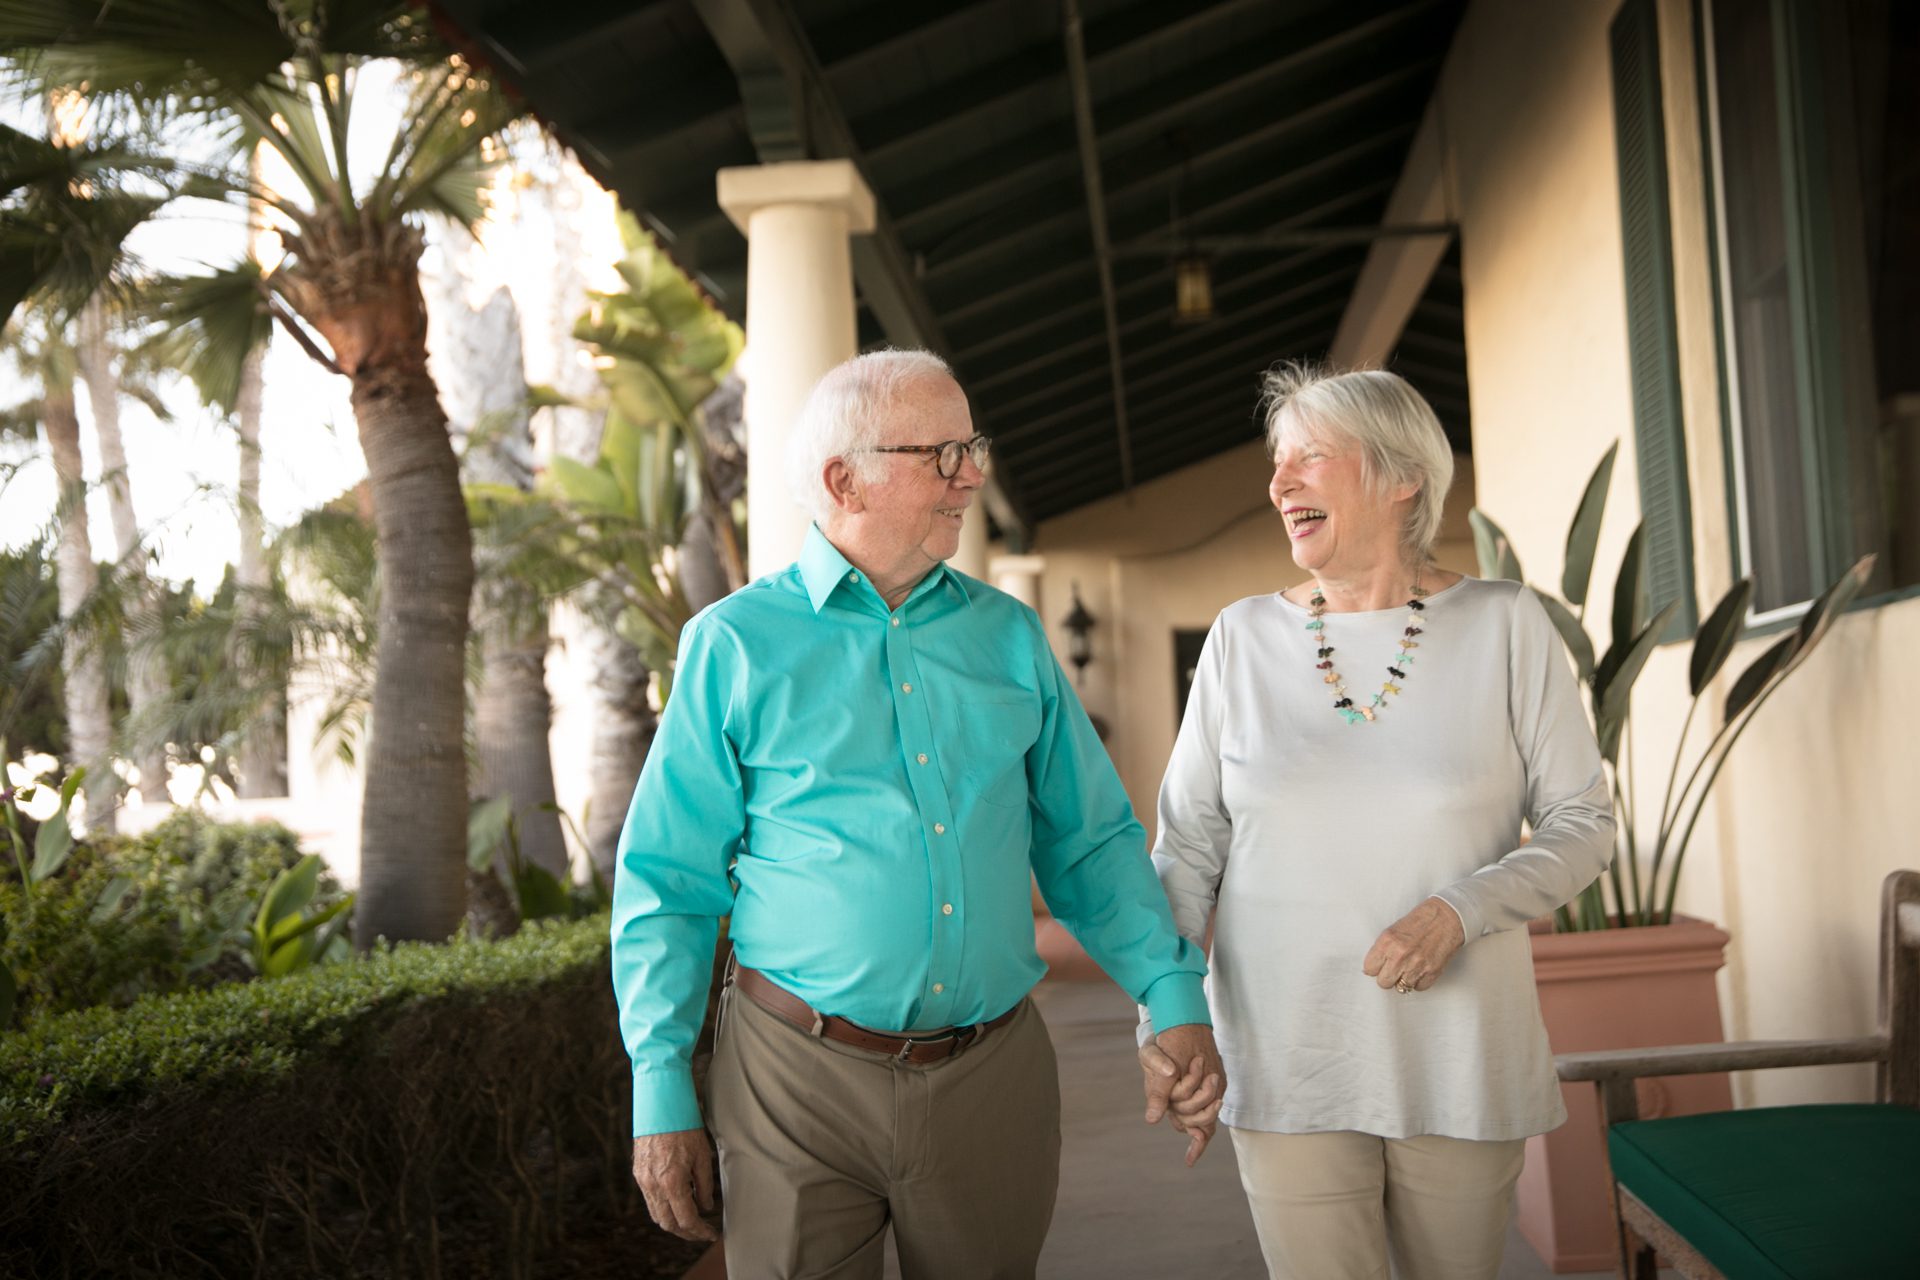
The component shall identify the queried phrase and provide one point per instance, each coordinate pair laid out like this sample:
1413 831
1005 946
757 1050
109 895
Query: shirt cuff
1471 926
664 1102
1177 1000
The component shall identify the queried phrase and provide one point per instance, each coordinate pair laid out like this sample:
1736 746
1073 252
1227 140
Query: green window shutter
1652 342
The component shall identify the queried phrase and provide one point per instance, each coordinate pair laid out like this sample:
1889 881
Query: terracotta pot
1614 989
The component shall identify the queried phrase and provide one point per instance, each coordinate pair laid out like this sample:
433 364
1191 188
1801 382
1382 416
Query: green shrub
77 939
343 1120
131 915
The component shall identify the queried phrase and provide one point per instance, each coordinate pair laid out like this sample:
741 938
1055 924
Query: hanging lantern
1079 624
1192 289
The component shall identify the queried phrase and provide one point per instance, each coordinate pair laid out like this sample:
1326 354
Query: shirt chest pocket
992 738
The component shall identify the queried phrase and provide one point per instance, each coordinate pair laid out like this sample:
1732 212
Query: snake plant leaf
51 845
291 890
1584 533
621 447
1755 678
1629 595
1716 636
540 893
486 829
288 956
591 489
1612 704
299 925
1493 548
1578 642
110 898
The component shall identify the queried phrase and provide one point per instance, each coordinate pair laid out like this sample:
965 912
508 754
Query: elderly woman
1347 793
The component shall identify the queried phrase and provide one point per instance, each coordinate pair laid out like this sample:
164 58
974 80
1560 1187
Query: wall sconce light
1079 624
1192 290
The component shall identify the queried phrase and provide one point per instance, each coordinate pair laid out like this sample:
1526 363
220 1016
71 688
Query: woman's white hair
1379 413
845 414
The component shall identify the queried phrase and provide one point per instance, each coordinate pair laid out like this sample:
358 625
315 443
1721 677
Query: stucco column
797 217
1019 577
971 557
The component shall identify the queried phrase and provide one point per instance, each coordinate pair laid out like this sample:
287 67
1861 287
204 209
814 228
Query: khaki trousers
822 1146
1330 1206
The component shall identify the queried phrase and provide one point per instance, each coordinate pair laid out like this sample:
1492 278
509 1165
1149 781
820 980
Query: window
1187 645
1814 144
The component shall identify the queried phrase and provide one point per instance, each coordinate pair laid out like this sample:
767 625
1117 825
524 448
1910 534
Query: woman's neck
1381 585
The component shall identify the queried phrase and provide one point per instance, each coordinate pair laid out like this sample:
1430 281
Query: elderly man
863 757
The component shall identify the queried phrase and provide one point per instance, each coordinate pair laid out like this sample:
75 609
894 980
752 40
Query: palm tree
42 356
480 369
284 74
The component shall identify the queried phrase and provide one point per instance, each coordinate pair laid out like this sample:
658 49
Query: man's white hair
845 414
1379 413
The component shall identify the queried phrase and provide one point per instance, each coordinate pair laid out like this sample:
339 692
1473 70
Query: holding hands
1184 1076
1414 950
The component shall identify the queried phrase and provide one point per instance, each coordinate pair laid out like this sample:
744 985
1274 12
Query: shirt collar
823 569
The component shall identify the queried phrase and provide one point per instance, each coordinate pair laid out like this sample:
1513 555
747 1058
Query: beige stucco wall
1803 824
1182 548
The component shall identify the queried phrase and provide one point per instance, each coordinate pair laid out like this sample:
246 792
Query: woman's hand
1414 950
1192 1096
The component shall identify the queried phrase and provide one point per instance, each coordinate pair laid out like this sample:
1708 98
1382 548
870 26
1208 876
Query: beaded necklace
1396 672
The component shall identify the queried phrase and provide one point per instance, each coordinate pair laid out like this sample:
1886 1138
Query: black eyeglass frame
979 448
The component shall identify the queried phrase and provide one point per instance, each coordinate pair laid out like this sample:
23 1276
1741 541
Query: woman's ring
1402 987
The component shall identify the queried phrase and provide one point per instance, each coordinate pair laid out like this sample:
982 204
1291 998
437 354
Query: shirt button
939 828
853 577
896 622
906 688
946 909
923 757
938 987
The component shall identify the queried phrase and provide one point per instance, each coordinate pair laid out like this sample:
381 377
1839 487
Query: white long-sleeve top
1313 835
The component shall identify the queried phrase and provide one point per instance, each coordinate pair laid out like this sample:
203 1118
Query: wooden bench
1776 1193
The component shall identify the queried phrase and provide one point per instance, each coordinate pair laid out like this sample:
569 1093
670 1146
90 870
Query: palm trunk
262 768
147 690
623 729
414 818
89 715
477 359
359 286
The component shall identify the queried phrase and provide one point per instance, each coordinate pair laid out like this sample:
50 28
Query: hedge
374 1117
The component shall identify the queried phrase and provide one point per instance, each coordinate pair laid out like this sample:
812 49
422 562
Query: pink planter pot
1616 989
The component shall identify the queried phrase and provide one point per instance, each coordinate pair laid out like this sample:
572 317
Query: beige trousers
1331 1206
823 1146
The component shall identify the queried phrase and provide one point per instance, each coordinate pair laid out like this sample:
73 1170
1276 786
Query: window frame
1814 283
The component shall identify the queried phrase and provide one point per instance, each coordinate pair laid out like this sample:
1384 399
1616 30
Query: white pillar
1019 577
797 217
971 558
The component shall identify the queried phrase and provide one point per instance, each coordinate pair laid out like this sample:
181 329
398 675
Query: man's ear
843 486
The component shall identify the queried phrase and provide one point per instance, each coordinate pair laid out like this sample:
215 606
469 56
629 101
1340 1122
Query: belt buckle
958 1037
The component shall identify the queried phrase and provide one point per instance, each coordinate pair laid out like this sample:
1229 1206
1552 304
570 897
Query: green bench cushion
1783 1193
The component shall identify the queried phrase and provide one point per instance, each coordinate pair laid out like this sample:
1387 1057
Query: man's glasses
947 454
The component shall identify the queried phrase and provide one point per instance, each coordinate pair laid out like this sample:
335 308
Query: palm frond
438 167
208 326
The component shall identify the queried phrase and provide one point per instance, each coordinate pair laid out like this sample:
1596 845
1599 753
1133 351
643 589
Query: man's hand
1415 949
675 1173
1184 1075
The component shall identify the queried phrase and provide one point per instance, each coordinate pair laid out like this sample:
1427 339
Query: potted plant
1617 968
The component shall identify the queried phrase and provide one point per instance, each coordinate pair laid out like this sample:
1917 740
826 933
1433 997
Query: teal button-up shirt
864 791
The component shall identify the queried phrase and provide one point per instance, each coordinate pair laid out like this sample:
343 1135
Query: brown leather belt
918 1049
